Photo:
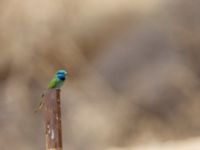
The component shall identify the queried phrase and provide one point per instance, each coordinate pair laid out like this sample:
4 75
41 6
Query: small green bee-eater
56 83
58 80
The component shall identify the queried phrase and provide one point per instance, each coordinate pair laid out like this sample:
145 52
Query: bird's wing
52 83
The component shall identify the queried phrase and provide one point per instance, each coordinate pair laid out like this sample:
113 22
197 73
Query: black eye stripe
62 78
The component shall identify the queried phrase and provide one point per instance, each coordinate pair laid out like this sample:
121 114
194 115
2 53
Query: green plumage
52 83
55 83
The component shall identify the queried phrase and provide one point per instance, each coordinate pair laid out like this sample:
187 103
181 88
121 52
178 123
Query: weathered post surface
52 113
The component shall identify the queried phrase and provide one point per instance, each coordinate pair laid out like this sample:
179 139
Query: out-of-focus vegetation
133 65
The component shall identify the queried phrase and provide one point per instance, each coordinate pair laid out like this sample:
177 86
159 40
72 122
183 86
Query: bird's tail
41 104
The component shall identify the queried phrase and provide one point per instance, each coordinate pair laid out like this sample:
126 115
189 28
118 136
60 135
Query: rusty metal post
52 112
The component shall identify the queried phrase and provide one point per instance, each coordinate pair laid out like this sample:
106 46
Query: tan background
134 75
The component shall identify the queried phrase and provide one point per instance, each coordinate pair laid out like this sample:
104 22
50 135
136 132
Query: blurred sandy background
134 75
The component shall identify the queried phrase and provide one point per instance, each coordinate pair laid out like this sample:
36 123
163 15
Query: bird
58 80
56 83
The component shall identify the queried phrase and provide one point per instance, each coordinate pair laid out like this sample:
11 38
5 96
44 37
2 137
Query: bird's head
61 74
